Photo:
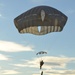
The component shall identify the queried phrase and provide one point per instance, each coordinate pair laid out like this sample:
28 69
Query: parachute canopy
47 18
41 52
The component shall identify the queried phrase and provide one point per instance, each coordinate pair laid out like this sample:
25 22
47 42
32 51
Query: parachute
47 18
41 52
41 61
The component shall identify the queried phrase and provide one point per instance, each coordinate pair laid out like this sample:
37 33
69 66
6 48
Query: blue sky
18 51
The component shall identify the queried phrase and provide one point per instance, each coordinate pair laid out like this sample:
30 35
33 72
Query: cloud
7 46
50 62
29 63
3 57
57 62
35 74
1 15
0 67
8 72
52 65
60 72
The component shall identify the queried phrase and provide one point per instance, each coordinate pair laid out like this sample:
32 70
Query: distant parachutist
41 63
42 73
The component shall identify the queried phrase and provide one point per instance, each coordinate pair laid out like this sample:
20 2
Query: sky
18 51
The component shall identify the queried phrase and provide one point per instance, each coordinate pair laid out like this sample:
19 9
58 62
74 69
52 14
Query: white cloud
35 74
0 67
8 72
21 65
8 46
3 57
60 72
52 65
50 62
59 62
29 63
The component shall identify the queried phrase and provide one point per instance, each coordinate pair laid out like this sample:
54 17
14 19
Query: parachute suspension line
41 54
41 58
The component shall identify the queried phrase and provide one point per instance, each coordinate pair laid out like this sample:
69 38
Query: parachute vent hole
39 28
